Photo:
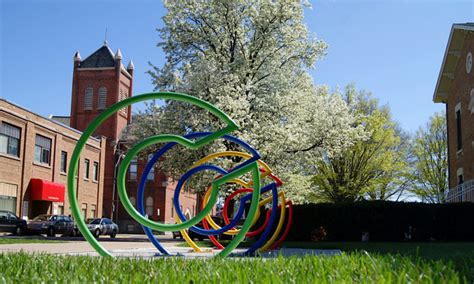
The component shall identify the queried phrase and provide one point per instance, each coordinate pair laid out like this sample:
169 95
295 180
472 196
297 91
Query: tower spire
77 56
118 55
105 39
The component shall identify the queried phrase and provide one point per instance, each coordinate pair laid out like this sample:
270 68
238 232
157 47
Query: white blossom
251 60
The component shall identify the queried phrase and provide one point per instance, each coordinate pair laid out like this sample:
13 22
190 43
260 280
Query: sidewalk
77 245
136 246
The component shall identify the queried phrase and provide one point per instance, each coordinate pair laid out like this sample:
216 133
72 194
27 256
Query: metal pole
114 205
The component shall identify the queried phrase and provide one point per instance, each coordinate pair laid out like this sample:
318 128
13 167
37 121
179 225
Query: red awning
46 190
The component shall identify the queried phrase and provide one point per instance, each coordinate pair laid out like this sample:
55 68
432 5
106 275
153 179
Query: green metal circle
231 126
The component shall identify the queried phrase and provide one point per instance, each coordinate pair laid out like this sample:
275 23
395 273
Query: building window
88 96
8 196
42 149
93 215
149 206
151 174
84 210
458 130
460 174
63 164
132 170
123 96
133 201
10 139
86 168
95 171
102 98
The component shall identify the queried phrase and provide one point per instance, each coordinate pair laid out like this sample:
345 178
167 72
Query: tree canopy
250 59
429 176
372 168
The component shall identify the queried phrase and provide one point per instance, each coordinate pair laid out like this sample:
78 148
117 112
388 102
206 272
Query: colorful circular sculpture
255 192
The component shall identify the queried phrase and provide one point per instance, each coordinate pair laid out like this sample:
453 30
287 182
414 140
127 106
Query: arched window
132 169
102 98
89 93
149 206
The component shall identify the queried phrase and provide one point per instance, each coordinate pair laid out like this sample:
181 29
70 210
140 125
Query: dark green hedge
385 221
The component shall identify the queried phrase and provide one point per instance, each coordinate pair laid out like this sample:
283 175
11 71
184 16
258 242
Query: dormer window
89 93
102 98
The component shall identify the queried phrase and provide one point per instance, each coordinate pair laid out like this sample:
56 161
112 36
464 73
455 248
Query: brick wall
459 93
117 81
20 170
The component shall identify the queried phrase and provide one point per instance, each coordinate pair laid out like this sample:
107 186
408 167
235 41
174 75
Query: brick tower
99 81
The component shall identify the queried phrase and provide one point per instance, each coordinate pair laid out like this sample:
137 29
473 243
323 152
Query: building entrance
39 207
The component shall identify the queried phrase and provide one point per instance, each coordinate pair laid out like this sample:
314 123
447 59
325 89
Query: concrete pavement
134 246
68 245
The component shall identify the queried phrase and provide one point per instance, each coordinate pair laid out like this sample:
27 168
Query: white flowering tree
250 59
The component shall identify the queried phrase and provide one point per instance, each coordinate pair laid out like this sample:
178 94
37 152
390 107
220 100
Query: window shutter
102 98
88 98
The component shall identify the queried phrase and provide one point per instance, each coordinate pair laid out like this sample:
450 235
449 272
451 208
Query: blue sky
391 48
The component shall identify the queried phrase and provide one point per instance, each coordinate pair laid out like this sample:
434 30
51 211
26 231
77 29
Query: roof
451 58
102 57
48 119
66 120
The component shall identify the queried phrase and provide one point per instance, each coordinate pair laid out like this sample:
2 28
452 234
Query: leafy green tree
372 168
250 59
429 176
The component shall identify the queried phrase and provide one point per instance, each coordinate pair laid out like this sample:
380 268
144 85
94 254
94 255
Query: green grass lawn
347 268
459 254
428 250
6 241
359 262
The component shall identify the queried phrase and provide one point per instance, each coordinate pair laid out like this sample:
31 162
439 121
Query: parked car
10 223
102 226
177 234
194 235
75 231
51 225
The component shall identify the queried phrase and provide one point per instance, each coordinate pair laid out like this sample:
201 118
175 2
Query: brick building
99 81
34 158
455 88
